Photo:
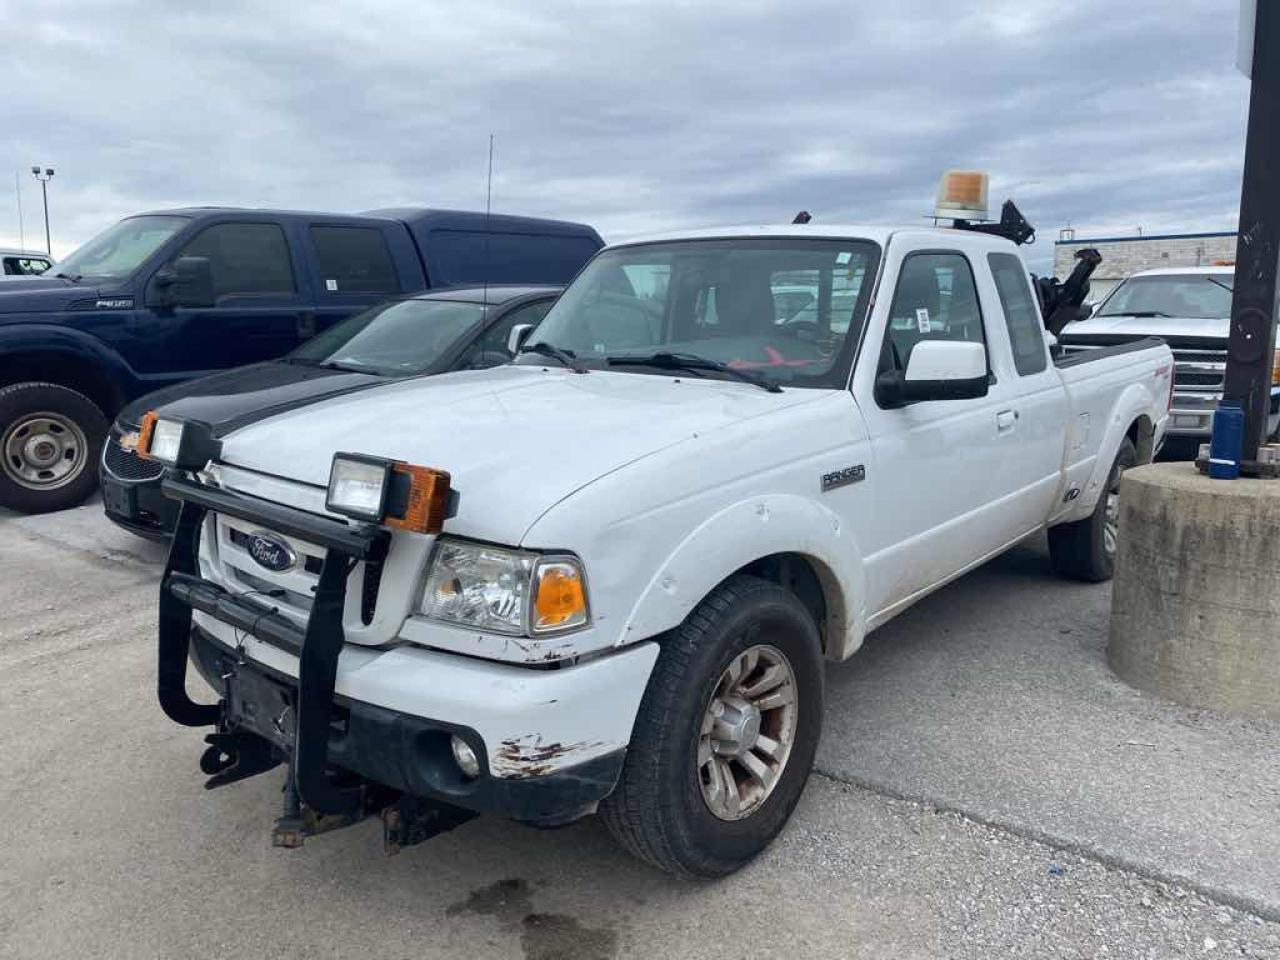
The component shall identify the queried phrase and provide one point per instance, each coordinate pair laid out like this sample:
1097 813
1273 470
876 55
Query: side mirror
518 335
187 282
937 370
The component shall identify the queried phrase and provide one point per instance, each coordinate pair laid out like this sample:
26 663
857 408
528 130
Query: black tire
658 811
19 403
1078 550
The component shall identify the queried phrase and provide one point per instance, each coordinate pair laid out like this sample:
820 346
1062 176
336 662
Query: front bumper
131 493
550 741
1191 415
403 751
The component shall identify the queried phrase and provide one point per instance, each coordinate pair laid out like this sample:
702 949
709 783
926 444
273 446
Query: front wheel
50 439
1086 550
726 733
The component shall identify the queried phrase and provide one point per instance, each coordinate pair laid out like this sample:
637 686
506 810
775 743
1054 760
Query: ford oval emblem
271 552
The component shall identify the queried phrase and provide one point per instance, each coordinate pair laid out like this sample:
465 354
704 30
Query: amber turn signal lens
560 600
1275 370
426 499
145 431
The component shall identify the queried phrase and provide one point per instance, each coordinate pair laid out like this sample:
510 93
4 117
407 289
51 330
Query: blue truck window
354 260
245 258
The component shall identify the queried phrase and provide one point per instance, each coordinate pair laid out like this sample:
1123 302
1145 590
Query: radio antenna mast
22 232
488 209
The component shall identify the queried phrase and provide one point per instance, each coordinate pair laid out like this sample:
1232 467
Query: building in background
1122 256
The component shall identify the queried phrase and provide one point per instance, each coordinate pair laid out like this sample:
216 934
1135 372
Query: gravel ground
112 849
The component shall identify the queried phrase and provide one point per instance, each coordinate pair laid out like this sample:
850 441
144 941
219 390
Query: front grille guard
318 646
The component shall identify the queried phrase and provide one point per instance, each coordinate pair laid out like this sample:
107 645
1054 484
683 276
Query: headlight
388 491
358 486
504 591
160 439
185 444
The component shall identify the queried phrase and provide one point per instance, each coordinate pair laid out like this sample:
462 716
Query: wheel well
75 373
1142 433
812 583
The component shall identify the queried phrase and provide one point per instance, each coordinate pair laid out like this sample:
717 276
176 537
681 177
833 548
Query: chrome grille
1199 371
125 463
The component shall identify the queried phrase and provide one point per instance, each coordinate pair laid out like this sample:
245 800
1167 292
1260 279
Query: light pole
44 190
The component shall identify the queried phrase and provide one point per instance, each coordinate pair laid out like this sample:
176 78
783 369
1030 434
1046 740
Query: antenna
488 209
22 233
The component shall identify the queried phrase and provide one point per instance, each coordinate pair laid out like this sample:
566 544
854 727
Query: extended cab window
244 258
354 260
936 299
1020 313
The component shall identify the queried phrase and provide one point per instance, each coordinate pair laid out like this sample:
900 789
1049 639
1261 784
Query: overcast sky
1110 114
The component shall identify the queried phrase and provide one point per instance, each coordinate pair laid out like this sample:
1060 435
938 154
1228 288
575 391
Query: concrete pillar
1195 612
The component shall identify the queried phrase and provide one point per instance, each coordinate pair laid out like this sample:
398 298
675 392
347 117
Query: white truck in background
606 577
1190 309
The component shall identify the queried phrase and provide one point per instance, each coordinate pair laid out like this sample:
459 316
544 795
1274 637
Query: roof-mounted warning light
962 198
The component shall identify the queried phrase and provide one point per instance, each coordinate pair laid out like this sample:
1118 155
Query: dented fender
750 530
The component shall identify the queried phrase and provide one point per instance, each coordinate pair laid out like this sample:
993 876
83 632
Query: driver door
258 311
937 463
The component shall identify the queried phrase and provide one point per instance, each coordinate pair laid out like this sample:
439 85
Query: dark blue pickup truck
166 296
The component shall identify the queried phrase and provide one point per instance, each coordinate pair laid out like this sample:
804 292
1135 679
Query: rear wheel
50 439
1086 550
726 733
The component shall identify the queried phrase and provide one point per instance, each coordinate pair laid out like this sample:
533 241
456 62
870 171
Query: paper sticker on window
844 256
331 285
922 320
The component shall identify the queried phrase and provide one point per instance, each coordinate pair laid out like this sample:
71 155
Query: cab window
495 339
936 299
354 260
1020 313
244 258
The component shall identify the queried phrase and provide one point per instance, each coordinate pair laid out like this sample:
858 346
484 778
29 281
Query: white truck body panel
664 485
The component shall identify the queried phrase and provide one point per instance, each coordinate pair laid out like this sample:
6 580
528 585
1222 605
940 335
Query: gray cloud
633 116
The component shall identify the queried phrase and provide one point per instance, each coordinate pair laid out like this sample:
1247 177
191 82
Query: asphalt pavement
985 789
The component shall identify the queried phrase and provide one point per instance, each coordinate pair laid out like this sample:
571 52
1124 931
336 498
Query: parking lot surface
985 788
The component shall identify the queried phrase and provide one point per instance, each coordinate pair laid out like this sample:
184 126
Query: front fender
750 530
57 339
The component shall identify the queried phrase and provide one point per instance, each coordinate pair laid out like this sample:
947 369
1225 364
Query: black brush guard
317 647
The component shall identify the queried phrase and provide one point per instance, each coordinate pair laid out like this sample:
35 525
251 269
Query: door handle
1005 421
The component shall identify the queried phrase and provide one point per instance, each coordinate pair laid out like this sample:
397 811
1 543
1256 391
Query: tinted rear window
462 256
354 260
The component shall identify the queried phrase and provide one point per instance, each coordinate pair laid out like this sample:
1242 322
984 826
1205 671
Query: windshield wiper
73 277
324 365
691 361
566 357
1136 313
1225 286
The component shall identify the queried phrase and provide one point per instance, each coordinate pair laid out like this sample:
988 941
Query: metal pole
44 190
1253 304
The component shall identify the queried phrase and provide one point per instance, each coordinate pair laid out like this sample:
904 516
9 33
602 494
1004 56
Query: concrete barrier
1195 612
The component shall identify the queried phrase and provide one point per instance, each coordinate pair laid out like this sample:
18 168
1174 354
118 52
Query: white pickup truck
607 576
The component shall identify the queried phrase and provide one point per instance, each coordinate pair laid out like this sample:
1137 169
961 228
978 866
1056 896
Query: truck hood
1199 327
516 439
46 295
235 398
